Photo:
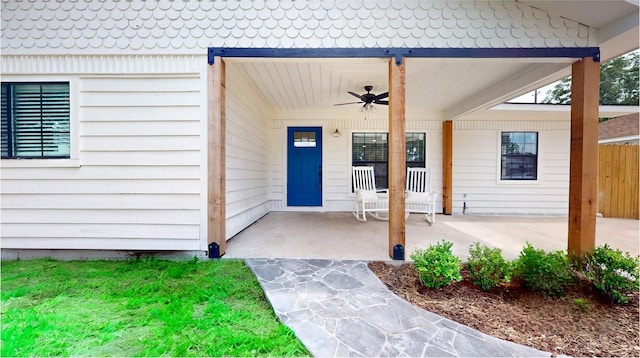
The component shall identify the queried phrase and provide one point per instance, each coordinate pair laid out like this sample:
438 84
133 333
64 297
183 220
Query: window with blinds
35 120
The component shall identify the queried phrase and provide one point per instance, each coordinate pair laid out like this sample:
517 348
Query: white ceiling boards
436 88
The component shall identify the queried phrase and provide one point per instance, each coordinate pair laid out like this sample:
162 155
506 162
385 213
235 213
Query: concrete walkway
340 308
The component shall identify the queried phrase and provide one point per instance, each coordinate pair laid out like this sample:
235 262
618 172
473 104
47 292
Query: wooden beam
397 156
583 174
447 167
216 230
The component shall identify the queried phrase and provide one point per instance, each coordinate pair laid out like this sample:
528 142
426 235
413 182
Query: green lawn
143 307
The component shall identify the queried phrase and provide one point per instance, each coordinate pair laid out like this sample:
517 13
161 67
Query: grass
144 307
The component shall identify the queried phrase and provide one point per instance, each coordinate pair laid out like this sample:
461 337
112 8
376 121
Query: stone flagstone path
341 308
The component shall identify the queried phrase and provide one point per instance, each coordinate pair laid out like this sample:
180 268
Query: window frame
351 158
518 181
73 160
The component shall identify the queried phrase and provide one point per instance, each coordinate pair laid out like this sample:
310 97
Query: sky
530 97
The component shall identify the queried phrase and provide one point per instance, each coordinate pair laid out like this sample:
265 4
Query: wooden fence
618 181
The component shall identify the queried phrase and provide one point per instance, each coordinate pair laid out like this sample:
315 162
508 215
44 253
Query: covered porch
337 235
431 90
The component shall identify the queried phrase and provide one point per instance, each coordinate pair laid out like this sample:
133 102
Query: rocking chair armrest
366 195
433 195
420 197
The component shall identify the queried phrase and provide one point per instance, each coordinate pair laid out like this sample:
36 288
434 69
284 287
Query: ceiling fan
369 99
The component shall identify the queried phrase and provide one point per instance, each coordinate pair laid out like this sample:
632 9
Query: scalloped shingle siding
189 26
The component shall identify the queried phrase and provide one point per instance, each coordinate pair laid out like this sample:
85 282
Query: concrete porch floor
338 235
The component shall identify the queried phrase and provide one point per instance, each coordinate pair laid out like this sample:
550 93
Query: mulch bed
556 325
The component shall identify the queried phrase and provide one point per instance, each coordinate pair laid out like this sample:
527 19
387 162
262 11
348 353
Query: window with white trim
35 120
372 149
519 156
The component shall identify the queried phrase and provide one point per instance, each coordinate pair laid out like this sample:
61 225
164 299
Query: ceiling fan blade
342 104
381 102
356 95
381 96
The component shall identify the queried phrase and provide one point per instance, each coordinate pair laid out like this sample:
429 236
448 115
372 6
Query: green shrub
549 273
487 268
437 266
612 273
581 304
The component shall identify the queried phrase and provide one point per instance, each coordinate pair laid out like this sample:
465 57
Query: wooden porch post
447 167
397 156
583 177
216 230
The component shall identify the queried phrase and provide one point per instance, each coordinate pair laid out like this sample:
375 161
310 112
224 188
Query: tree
561 93
619 83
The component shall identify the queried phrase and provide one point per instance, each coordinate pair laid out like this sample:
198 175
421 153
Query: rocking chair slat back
419 196
419 180
363 178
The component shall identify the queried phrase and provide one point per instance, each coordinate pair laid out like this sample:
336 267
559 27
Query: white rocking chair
368 199
419 196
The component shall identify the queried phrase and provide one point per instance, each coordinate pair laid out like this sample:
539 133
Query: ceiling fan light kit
368 107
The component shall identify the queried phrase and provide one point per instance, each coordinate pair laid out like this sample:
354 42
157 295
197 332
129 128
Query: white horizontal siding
476 170
90 216
129 98
156 84
158 157
99 243
434 159
103 186
248 139
100 201
140 113
102 172
139 143
142 128
278 195
337 169
106 231
138 184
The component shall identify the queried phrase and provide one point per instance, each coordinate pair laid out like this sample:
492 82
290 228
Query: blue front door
304 166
